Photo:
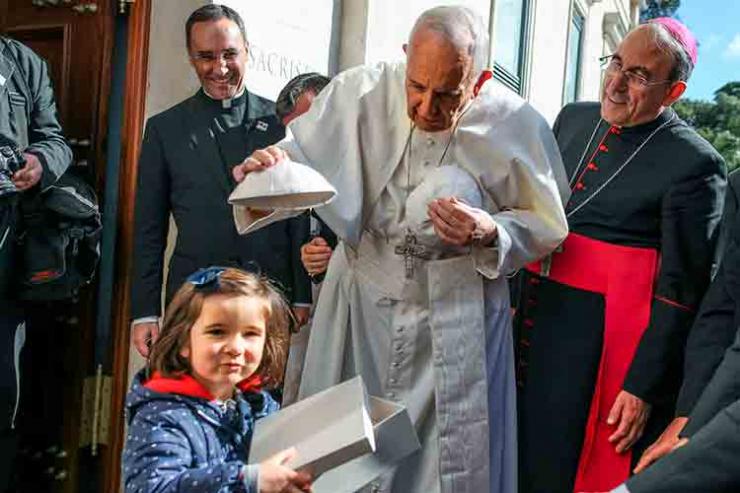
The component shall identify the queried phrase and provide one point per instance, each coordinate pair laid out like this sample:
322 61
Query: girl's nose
235 346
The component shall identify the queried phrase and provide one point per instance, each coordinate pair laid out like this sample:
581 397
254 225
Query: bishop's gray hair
462 27
664 40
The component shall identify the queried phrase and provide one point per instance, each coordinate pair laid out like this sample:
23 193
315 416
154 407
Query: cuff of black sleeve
317 278
686 400
692 426
659 355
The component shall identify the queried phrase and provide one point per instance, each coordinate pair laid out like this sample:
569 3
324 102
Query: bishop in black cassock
604 320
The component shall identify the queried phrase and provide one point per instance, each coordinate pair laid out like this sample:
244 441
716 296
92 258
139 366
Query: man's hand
259 160
666 442
301 314
28 175
143 336
629 414
457 223
315 256
276 477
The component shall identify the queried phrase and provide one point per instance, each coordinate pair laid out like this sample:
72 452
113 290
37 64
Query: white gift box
343 437
395 439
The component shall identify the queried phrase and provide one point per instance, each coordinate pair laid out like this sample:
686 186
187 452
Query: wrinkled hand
665 443
457 223
315 256
629 414
259 160
301 314
30 174
275 477
143 336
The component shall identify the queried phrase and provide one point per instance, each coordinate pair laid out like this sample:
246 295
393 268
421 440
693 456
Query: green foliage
717 121
731 89
660 8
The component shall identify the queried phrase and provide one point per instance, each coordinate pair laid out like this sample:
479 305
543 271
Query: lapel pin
262 126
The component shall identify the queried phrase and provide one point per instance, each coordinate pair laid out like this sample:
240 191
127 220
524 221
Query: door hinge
95 415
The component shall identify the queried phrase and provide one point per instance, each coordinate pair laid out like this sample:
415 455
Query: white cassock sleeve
355 132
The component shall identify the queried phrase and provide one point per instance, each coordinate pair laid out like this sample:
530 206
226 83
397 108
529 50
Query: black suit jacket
710 395
719 316
181 171
707 464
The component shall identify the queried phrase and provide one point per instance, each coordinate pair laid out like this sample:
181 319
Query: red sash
625 276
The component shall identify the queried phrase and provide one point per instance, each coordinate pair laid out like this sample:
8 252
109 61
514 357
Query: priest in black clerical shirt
185 170
601 324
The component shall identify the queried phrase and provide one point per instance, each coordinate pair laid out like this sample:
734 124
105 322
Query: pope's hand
457 223
259 160
629 414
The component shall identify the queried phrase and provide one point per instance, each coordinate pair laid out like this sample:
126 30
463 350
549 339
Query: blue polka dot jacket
181 440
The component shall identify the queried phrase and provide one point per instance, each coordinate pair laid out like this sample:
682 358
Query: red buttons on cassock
603 148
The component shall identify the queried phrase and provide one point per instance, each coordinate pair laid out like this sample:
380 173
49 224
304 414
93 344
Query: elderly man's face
438 81
302 105
627 103
218 54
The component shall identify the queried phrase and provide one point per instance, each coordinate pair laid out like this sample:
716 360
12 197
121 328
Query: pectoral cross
546 263
410 249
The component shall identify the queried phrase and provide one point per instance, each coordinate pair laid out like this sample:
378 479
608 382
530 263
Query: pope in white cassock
443 190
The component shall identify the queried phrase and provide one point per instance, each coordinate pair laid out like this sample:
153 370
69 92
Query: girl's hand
275 477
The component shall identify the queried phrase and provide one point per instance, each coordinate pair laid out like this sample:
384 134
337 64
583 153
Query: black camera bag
59 240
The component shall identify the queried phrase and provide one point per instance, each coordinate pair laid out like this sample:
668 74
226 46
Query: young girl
190 422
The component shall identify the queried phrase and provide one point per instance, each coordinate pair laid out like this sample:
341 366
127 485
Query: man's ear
405 48
675 93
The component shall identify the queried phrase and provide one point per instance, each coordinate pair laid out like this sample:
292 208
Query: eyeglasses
634 80
206 278
228 56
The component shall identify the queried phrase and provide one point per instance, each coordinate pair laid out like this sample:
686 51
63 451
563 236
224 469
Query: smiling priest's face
636 85
438 80
218 53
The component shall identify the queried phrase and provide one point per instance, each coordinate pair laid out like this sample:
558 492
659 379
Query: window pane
508 35
572 73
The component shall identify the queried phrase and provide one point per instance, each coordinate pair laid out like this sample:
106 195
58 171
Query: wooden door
75 38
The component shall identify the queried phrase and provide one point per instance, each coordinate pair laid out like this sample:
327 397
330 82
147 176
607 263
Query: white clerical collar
226 103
